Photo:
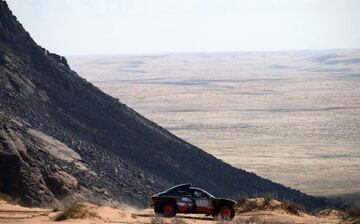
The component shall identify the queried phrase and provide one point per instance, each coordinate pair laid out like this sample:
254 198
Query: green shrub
75 211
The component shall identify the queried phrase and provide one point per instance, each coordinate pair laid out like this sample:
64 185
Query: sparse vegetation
257 220
330 212
9 199
55 209
75 211
245 205
292 207
268 203
4 197
355 210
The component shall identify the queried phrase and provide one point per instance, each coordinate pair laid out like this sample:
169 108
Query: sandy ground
14 214
292 117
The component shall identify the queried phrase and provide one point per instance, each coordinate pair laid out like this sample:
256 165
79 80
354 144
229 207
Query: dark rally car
185 198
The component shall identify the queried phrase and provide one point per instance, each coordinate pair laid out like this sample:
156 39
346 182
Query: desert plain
292 117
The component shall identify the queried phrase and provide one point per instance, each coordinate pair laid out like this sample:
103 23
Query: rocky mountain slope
62 137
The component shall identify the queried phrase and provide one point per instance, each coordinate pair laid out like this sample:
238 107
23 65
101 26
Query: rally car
185 198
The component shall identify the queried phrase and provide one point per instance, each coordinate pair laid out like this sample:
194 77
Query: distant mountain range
61 138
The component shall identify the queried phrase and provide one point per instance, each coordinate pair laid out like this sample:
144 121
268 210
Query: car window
198 193
179 192
207 194
201 193
182 193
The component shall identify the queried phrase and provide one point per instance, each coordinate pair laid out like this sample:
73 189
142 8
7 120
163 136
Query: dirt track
14 214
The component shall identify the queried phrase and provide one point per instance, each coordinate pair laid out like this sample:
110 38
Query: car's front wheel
158 210
227 212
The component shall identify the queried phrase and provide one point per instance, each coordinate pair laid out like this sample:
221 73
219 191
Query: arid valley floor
15 214
292 117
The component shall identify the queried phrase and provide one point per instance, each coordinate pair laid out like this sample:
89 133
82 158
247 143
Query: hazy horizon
131 27
208 52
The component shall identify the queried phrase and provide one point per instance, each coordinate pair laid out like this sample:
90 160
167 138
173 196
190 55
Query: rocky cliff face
62 137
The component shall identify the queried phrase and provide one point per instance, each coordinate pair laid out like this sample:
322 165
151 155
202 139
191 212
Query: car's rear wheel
227 213
169 210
